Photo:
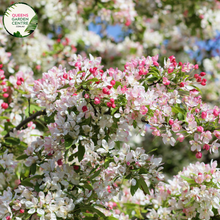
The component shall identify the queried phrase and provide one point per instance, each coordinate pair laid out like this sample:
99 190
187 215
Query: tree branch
42 112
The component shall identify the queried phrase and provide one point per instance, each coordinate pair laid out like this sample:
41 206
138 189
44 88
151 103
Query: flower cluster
83 159
193 193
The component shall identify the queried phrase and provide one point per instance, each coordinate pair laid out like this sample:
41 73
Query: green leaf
3 117
32 108
152 79
12 140
189 180
88 186
95 174
92 209
50 119
117 83
81 152
33 24
33 168
177 110
36 177
180 116
143 185
192 200
68 142
128 176
106 164
71 157
27 183
134 188
22 157
135 124
111 218
40 125
92 80
133 50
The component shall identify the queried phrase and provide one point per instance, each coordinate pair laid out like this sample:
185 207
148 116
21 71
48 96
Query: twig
29 106
96 113
42 112
154 83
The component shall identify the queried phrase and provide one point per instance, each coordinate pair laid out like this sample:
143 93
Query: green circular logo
20 20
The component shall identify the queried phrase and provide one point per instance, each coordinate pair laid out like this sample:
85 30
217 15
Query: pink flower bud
180 63
38 67
172 58
113 82
4 90
196 67
199 79
206 147
128 23
204 114
171 122
198 155
4 105
156 63
182 84
196 76
105 90
76 167
201 16
112 100
21 211
60 162
113 105
65 76
18 83
5 95
84 108
215 112
8 218
200 129
109 104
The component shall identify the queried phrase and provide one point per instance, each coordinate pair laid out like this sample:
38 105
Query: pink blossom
96 100
180 138
200 129
176 126
200 178
217 134
143 110
166 81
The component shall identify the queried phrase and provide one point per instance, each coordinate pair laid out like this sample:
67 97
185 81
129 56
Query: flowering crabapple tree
69 157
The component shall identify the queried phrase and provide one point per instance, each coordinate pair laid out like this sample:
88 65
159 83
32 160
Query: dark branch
42 112
96 113
159 81
164 123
